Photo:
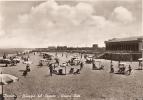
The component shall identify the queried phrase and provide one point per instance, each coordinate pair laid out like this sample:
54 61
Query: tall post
142 55
131 58
2 88
119 59
2 91
111 58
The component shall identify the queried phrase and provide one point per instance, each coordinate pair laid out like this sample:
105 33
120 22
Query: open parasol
140 59
6 79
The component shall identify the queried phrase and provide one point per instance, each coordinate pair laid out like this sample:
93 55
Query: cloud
53 23
123 15
2 32
50 23
51 12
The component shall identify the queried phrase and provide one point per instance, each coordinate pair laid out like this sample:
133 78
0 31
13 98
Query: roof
135 38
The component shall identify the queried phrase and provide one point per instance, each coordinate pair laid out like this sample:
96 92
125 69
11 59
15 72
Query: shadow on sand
53 75
121 73
139 69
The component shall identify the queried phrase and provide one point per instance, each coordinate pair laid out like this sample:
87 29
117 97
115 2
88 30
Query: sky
75 23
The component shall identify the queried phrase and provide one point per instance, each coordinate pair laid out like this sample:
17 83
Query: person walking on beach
28 68
57 61
25 73
129 70
94 66
51 69
81 65
111 69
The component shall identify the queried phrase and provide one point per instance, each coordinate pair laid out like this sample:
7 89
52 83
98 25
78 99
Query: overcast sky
70 22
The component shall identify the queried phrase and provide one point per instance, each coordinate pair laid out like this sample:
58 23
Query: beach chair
55 71
101 68
40 64
71 71
94 67
60 72
25 73
77 71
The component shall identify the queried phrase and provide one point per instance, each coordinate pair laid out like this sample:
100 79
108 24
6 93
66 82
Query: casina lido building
125 49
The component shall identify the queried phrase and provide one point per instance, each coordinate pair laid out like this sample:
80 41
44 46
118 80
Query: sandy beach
88 85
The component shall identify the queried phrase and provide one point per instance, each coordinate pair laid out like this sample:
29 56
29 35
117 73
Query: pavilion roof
135 38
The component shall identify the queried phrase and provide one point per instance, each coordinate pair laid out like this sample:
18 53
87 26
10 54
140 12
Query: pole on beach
2 92
2 89
65 70
111 58
119 60
142 55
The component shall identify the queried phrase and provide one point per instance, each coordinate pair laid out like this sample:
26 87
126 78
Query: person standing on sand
94 66
51 69
57 61
81 65
129 70
28 68
111 69
81 56
25 73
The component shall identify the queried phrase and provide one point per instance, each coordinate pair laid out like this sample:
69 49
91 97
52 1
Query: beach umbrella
140 59
6 79
6 60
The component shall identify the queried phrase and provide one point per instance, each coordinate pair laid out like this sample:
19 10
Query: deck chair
60 72
71 71
94 67
25 73
77 71
55 72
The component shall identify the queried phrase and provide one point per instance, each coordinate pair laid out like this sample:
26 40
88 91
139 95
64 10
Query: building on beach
125 49
131 44
95 46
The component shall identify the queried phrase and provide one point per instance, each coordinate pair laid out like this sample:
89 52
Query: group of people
94 67
121 70
27 69
25 72
60 71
